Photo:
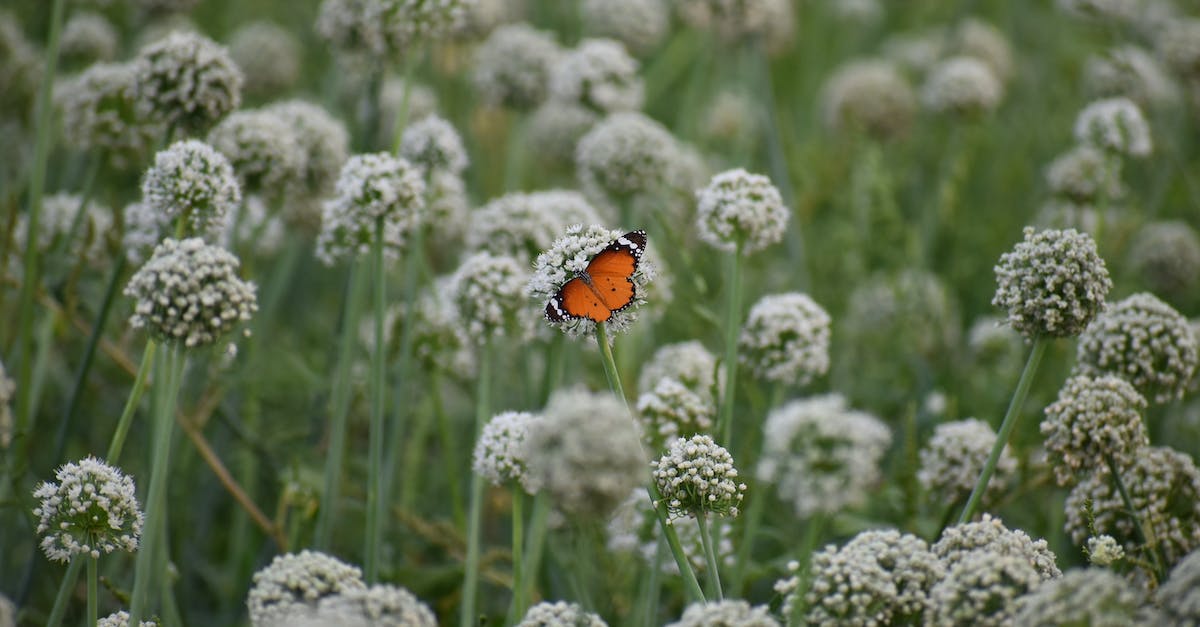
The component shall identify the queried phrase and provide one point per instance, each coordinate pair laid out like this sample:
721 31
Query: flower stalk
375 485
468 615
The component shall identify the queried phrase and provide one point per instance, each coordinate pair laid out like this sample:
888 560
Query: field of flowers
599 312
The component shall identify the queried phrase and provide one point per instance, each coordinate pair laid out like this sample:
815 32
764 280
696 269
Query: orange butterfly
605 287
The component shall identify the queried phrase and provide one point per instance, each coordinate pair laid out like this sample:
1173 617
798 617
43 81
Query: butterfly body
605 287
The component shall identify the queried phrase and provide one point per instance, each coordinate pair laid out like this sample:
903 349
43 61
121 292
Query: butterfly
605 287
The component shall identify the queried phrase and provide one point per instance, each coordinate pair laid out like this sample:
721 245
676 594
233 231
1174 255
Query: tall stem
532 560
449 448
1149 541
93 601
410 69
745 552
135 396
1006 428
416 451
375 436
732 325
710 557
475 516
518 550
64 592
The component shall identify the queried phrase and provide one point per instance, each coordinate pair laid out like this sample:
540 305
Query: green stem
732 326
610 365
751 522
812 532
1006 428
518 549
131 403
93 601
64 592
414 458
648 596
340 409
471 574
710 557
375 435
410 67
532 560
1149 541
449 448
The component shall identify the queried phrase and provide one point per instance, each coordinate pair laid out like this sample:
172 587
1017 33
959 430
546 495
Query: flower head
1130 72
1144 341
735 20
512 66
189 293
381 605
584 452
1166 255
821 455
560 614
1179 596
728 613
671 409
1180 46
386 27
100 112
263 150
786 339
1093 421
954 457
87 38
990 535
90 510
598 74
144 229
325 145
432 144
963 86
296 582
500 449
687 362
639 24
370 187
696 476
121 619
268 55
740 210
981 588
871 97
524 224
623 156
193 182
188 81
1053 283
1085 174
57 218
1104 550
488 292
1116 125
1086 596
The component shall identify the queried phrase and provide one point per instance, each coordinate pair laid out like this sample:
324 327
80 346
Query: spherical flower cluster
1130 72
499 452
296 582
1116 125
187 81
433 145
624 155
821 455
325 145
981 588
639 24
740 211
268 55
1179 596
263 150
584 452
696 476
488 292
189 293
1164 487
524 224
786 339
56 219
1087 596
634 528
120 619
879 577
387 27
512 66
598 74
962 86
869 96
193 182
99 110
1085 174
87 38
1104 550
954 457
1180 47
91 510
1166 255
1144 341
687 362
570 255
1095 421
7 388
371 187
380 605
729 613
671 409
990 534
1053 283
735 20
560 614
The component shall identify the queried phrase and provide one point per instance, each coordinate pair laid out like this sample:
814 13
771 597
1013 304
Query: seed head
624 156
1166 256
264 151
488 292
1085 175
524 224
981 589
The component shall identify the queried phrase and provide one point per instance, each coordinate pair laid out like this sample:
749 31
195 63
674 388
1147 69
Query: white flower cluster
584 452
687 362
524 224
696 476
268 55
560 614
193 182
1104 550
989 534
87 38
1164 487
878 578
7 388
554 129
488 292
99 110
1130 72
912 311
1179 596
188 81
55 221
1094 420
981 588
625 155
634 528
513 65
263 150
189 293
728 613
439 340
371 186
120 619
380 605
869 96
598 74
1085 596
821 455
296 582
963 86
786 339
639 24
1144 341
1166 255
1085 175
741 211
570 255
387 27
1116 125
326 146
671 409
1053 283
1180 46
734 20
954 457
500 449
91 510
432 144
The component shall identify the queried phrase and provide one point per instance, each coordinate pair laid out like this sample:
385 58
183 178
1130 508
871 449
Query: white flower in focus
119 619
193 182
741 211
90 510
989 534
296 582
696 477
500 449
371 187
1103 550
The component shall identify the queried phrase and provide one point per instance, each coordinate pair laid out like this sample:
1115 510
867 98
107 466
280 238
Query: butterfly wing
612 270
576 300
